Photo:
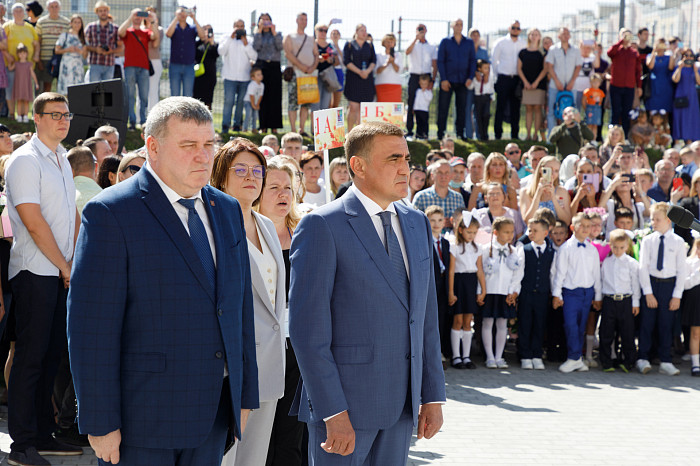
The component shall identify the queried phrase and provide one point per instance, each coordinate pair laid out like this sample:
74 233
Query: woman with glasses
686 113
130 165
239 171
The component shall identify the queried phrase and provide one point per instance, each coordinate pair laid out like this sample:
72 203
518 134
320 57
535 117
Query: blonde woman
130 165
545 191
496 170
339 174
532 73
616 135
388 80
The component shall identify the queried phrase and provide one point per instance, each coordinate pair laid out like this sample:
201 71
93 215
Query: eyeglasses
515 28
513 152
241 170
323 30
57 115
133 169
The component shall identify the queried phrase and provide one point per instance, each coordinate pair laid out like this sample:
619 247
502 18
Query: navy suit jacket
148 337
362 347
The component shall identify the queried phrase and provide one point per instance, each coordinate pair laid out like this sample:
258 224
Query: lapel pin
212 203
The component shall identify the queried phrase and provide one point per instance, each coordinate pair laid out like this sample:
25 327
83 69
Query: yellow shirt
24 34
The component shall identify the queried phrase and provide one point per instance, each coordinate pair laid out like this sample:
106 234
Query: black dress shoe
695 371
71 436
469 365
55 448
28 457
457 363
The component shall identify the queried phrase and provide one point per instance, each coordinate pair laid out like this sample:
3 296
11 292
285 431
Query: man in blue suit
363 313
160 310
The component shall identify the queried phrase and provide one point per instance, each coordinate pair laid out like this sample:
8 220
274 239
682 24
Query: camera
105 48
627 149
142 14
688 61
630 177
240 33
421 29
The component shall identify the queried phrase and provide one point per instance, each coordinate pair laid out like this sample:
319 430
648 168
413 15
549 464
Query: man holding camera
182 46
136 61
237 54
422 60
626 72
101 38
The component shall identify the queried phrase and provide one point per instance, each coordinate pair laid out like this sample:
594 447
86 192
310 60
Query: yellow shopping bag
307 88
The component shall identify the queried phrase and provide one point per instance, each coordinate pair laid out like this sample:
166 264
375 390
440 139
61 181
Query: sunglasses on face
133 169
323 30
242 170
515 28
513 152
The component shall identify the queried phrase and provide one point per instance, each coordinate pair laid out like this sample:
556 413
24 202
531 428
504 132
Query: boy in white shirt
576 287
253 96
662 273
620 283
482 84
421 105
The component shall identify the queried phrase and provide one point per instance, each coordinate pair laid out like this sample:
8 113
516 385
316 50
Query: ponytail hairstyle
465 220
497 224
694 249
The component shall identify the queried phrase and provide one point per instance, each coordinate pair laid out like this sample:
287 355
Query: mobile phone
547 174
677 183
688 61
630 177
391 51
267 22
210 32
142 14
593 179
421 29
628 149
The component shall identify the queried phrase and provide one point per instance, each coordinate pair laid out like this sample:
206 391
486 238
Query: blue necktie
660 257
391 243
200 241
581 245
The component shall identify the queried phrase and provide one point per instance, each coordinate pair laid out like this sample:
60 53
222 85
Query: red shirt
134 54
625 67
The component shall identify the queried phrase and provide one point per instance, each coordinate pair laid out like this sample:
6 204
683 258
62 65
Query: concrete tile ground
515 417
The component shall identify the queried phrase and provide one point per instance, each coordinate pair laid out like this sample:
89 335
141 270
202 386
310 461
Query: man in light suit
363 313
160 309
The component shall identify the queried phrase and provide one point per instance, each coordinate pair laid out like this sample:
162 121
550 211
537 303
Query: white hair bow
466 218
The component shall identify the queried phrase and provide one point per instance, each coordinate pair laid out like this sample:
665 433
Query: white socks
590 340
455 338
695 360
487 337
501 336
466 343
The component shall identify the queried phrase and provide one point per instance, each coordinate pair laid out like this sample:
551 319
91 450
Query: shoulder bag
199 67
288 73
151 71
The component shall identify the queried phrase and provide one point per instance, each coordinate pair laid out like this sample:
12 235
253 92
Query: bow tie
581 245
502 252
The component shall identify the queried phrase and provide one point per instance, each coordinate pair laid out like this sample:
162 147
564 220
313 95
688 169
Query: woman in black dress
532 73
267 42
204 85
360 60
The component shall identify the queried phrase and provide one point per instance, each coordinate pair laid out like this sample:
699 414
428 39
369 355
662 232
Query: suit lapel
209 196
255 276
367 234
411 241
279 260
164 212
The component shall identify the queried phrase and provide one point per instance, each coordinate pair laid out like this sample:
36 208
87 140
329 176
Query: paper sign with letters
390 112
329 128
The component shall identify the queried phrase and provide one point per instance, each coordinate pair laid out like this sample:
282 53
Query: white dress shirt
577 267
693 270
420 61
423 99
373 210
504 59
37 175
620 275
485 88
673 264
436 246
236 59
388 75
465 257
182 211
500 277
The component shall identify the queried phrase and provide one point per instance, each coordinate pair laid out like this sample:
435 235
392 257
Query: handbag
288 73
199 67
681 102
330 79
307 88
151 71
55 62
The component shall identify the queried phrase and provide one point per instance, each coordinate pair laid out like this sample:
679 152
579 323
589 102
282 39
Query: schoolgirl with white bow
466 276
503 270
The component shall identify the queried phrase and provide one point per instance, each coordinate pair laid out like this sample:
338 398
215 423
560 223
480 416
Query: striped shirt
48 30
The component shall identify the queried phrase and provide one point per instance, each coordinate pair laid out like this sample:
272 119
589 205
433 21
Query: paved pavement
515 417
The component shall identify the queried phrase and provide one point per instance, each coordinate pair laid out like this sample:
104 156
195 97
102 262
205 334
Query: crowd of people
570 258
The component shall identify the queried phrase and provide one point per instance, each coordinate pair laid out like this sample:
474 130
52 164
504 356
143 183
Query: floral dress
71 71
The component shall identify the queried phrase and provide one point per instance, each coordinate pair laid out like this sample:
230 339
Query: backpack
564 99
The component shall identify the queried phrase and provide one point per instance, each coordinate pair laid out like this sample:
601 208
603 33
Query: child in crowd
253 96
603 251
466 272
483 87
559 234
543 213
642 132
442 261
593 104
25 82
576 287
503 268
662 131
535 293
421 105
620 283
662 278
691 306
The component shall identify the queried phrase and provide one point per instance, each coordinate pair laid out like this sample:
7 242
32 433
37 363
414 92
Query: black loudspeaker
94 105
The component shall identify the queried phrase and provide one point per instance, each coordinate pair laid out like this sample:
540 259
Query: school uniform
690 305
466 283
533 301
621 292
441 266
662 272
577 283
503 268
